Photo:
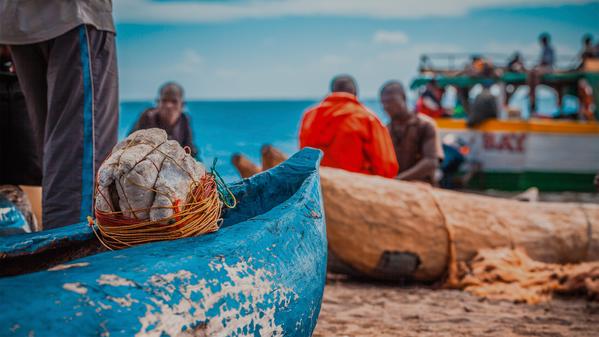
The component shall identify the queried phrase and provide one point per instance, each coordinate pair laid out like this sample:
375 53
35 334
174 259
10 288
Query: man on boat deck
65 58
169 116
545 66
350 135
415 138
588 50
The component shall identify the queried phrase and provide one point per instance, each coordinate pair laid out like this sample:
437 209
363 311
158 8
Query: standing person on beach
350 135
65 59
415 137
169 116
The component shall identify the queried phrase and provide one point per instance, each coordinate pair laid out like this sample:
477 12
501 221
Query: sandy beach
359 308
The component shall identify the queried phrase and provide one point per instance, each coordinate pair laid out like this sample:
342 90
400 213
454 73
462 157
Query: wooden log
371 217
549 232
368 216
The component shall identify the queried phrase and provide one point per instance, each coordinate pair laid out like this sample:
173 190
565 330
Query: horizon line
238 99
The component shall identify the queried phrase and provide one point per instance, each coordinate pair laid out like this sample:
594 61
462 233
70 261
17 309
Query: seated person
415 137
169 116
350 135
480 67
545 66
429 103
588 50
484 106
516 64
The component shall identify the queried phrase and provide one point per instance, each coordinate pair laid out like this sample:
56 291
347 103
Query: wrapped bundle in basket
151 189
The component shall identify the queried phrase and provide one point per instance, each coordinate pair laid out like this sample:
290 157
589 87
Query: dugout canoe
262 273
390 229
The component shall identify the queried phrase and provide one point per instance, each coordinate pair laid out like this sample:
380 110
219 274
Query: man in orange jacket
350 135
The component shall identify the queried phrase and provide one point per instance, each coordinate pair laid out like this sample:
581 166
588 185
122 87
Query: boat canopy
564 82
465 81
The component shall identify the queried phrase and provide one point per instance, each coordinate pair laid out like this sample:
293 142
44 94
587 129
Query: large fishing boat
515 151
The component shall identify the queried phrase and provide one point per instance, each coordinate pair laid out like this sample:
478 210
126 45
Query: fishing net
510 274
151 189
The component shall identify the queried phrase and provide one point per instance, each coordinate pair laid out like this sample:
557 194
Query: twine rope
200 214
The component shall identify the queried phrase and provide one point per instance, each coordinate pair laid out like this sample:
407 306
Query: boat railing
452 63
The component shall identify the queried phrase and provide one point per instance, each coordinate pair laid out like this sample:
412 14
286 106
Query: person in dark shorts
65 58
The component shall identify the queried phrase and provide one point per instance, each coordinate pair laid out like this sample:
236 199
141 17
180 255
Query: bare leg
244 165
533 81
271 157
560 96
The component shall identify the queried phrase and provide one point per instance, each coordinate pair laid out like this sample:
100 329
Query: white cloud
189 61
390 37
192 57
187 11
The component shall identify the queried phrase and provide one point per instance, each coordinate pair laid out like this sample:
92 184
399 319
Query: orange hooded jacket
351 136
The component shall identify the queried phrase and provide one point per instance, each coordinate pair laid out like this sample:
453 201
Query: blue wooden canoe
261 274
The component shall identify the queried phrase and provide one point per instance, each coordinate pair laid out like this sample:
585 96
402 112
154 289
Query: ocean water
222 128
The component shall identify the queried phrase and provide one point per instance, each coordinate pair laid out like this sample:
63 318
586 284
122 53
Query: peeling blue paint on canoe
27 244
261 274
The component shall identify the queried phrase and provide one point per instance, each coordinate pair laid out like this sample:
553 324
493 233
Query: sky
290 49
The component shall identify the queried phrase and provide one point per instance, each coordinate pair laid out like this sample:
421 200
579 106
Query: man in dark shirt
169 116
547 54
414 136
